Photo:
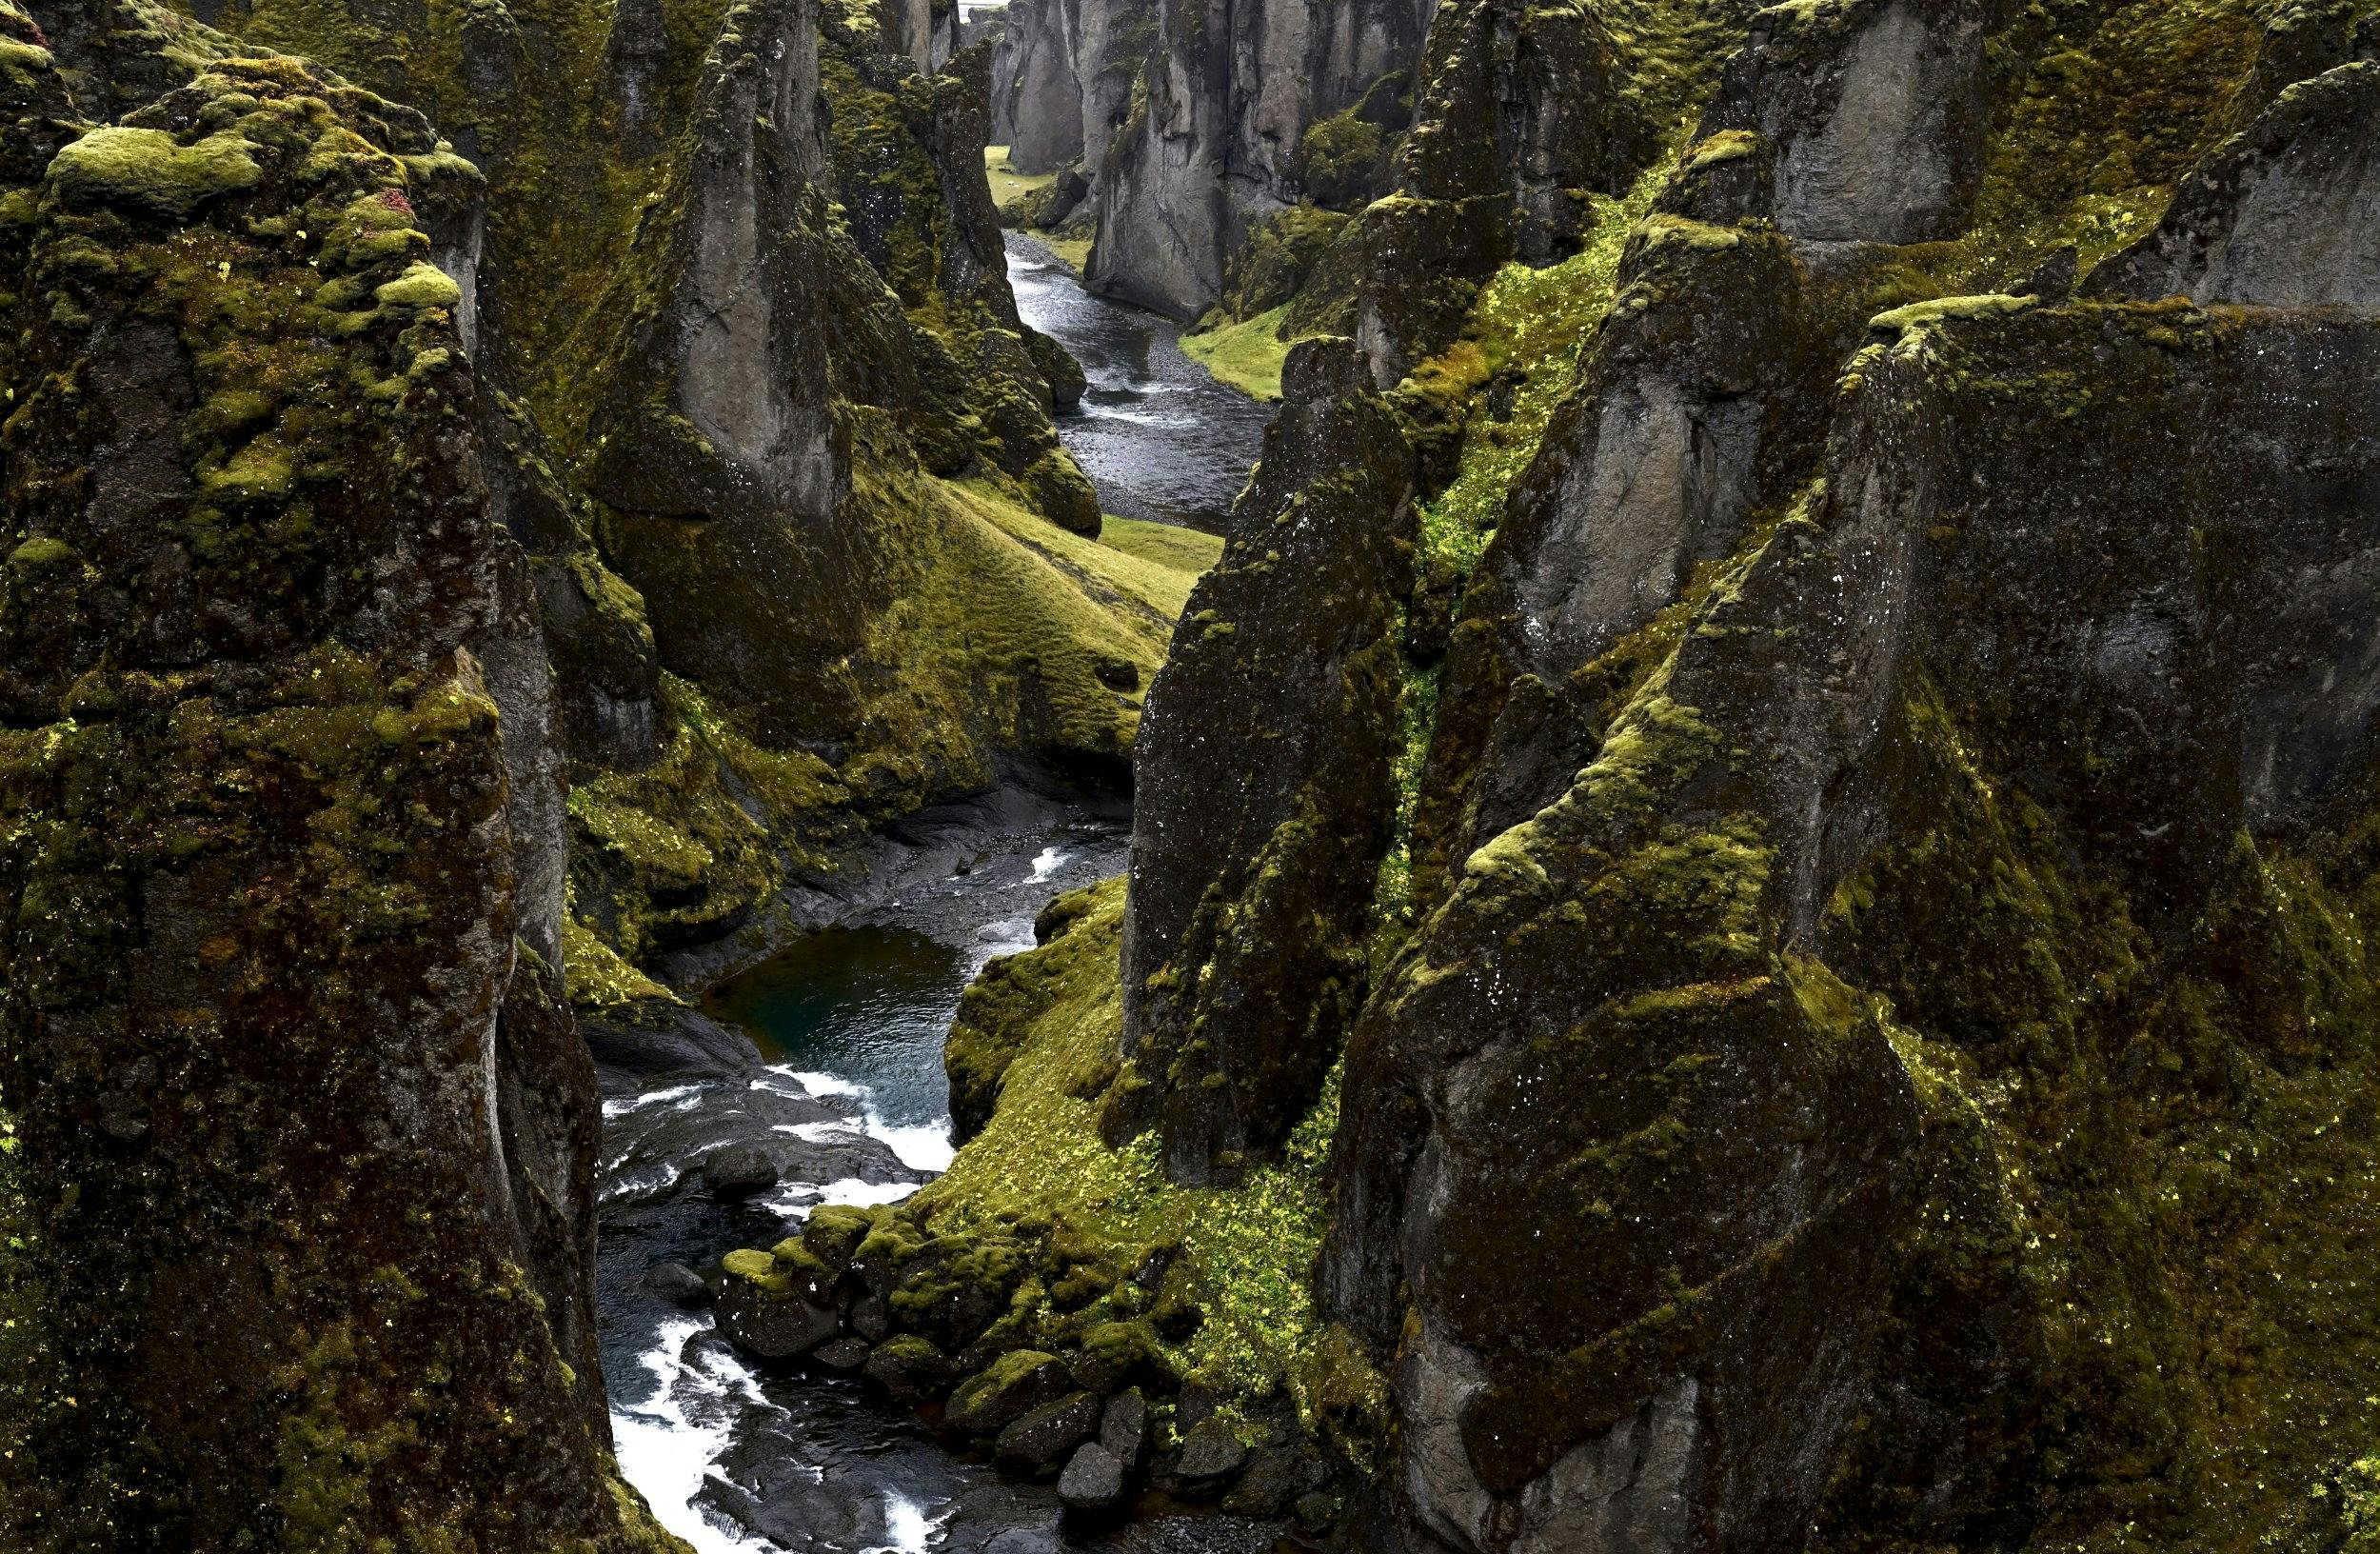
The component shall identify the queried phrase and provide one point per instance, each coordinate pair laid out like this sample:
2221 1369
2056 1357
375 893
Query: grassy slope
1247 355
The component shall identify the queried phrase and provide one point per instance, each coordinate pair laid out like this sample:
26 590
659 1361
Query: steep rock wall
1886 833
284 835
1213 148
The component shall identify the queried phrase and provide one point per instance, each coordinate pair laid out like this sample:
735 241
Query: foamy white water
907 1524
669 1444
922 1146
1046 862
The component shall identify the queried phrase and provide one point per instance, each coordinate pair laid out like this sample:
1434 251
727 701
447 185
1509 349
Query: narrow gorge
1161 776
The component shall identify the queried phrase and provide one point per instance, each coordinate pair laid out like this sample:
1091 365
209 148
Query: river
829 1055
1160 439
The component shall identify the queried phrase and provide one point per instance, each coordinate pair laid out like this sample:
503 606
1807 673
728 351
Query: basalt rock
1215 145
1874 111
1742 844
1882 958
1242 958
2286 216
280 953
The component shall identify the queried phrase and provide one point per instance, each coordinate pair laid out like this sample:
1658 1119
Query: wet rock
739 1171
770 1326
1124 1429
870 1317
843 1354
909 1369
1024 1541
1211 1456
1040 1440
1015 1385
678 1285
662 1036
1093 1480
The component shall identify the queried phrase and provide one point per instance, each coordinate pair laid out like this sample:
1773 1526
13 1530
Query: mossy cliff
739 288
1841 977
299 1131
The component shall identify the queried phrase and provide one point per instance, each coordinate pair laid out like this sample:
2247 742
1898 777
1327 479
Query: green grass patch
1182 555
1007 183
1247 355
1040 1161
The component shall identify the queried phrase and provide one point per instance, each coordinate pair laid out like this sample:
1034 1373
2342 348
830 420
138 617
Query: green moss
1531 328
1247 356
423 285
1241 1256
149 172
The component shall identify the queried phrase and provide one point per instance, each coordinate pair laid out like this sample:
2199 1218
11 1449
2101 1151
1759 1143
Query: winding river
841 1079
1160 439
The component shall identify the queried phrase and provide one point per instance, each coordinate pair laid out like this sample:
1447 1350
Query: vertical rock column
298 1190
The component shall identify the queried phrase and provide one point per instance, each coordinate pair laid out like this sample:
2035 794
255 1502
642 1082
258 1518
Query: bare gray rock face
2222 670
1214 153
2286 215
1877 112
1040 98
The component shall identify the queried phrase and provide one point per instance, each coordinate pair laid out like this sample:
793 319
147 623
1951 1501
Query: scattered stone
1316 1510
1124 1429
1093 1480
909 1369
1211 1456
739 1171
870 1317
1024 1540
1014 1386
678 1285
846 1354
1040 1440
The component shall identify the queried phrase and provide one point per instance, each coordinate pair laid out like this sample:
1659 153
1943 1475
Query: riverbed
829 1055
1162 440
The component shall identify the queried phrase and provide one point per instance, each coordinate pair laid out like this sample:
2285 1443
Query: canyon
700 852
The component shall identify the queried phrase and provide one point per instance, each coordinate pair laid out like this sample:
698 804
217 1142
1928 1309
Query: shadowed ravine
849 1025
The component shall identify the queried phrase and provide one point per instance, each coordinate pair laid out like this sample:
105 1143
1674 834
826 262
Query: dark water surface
1160 439
868 1006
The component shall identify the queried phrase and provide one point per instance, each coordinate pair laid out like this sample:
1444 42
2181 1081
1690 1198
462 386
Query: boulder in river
841 1353
1093 1480
1040 1440
1015 1385
909 1369
740 1171
763 1314
678 1285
